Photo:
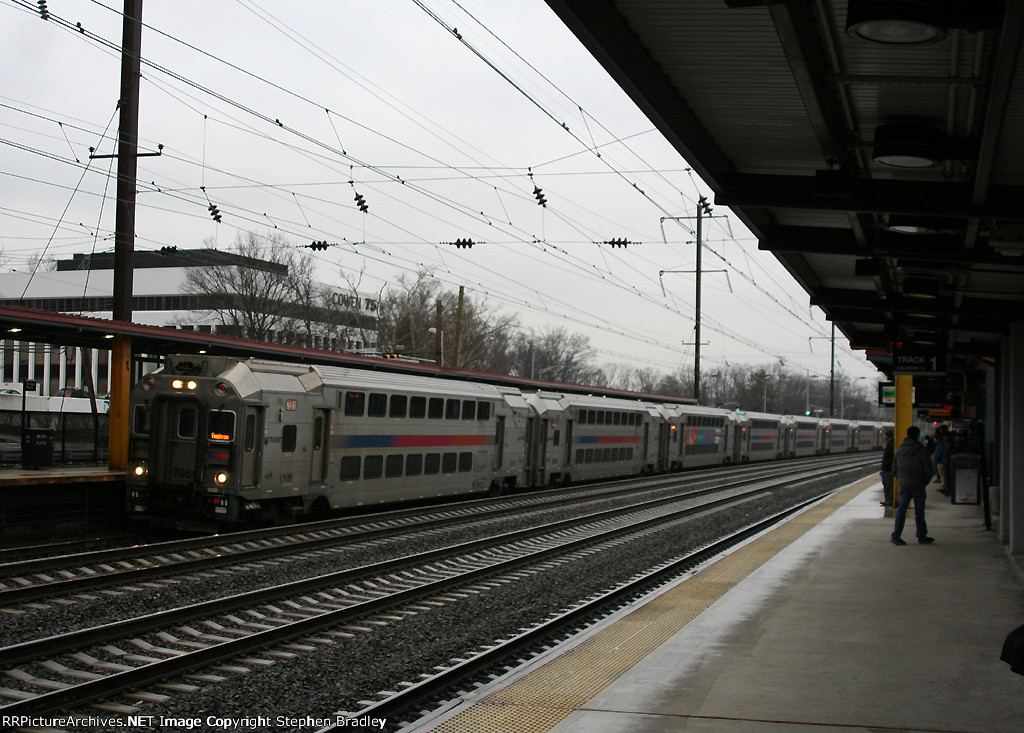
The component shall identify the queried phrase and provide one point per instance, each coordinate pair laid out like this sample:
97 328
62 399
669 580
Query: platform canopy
875 148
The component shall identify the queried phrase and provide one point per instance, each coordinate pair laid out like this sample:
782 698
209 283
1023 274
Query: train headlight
192 384
140 470
178 383
221 477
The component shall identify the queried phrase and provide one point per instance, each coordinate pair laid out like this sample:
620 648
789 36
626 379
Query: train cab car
762 436
217 441
839 436
804 436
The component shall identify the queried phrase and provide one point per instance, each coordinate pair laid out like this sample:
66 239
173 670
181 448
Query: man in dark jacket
914 469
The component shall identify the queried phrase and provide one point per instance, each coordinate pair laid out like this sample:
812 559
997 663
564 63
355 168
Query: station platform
818 625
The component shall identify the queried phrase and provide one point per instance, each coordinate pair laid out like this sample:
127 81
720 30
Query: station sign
910 360
886 394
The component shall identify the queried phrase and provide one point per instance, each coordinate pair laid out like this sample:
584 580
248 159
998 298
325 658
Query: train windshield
222 425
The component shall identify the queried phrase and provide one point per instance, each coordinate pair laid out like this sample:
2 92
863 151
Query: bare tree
252 296
553 354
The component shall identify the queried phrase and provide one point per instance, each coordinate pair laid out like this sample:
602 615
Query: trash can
36 448
966 470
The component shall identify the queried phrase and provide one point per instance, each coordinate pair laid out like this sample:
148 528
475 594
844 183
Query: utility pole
703 209
124 229
458 327
832 376
438 342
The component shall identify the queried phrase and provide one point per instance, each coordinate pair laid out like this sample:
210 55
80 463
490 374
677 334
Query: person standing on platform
913 467
886 470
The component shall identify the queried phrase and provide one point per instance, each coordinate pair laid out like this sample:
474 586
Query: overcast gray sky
443 115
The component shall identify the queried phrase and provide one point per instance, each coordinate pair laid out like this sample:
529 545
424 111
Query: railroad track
227 636
40 578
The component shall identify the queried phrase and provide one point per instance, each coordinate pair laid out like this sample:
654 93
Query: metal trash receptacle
36 448
966 478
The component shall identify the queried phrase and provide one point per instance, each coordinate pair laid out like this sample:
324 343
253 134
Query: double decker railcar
217 442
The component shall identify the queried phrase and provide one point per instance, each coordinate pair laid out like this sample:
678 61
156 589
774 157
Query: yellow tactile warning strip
544 697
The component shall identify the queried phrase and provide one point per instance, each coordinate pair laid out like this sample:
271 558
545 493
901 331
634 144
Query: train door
738 434
176 429
568 444
663 446
321 426
536 444
252 446
499 443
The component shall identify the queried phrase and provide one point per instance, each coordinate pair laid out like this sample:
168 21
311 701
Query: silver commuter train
218 442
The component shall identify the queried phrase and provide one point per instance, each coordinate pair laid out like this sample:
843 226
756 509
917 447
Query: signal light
390 356
317 245
214 212
361 203
540 196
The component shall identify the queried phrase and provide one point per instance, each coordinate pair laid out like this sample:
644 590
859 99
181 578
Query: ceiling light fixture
908 145
898 22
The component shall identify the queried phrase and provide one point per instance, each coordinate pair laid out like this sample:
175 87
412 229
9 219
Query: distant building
84 285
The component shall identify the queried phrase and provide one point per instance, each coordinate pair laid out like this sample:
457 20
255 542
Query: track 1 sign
910 361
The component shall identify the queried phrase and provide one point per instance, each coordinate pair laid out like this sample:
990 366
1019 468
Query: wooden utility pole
124 229
458 328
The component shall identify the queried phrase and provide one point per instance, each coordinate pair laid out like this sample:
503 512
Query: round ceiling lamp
908 145
898 22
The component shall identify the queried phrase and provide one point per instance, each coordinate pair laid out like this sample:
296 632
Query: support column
1011 472
121 369
904 416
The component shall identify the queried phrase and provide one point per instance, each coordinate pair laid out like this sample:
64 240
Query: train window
622 454
436 408
629 454
351 467
468 410
288 438
579 456
451 411
418 407
414 464
377 405
221 424
355 404
250 433
556 437
432 463
449 462
606 454
373 466
318 432
187 422
483 410
617 418
141 422
589 456
600 417
465 462
394 466
398 405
